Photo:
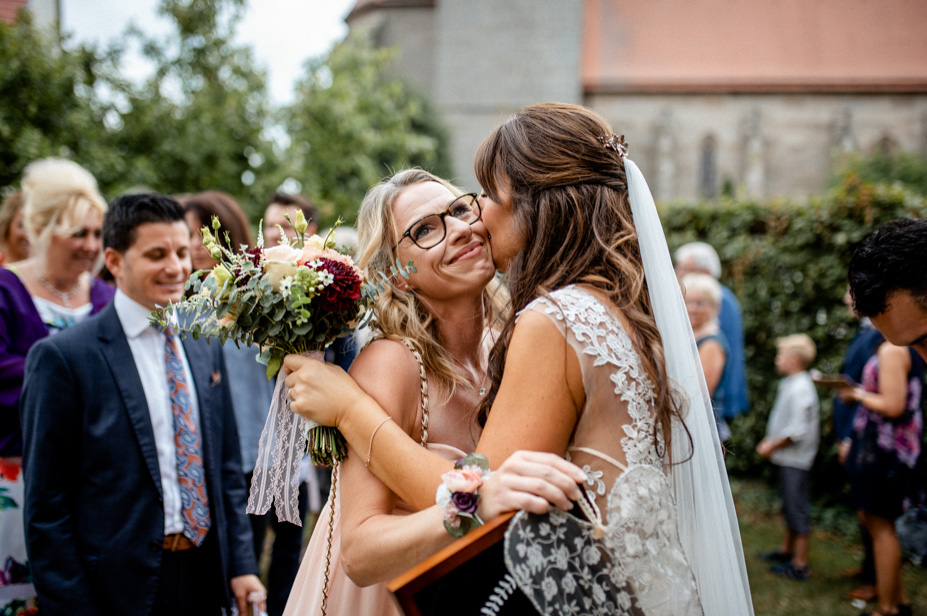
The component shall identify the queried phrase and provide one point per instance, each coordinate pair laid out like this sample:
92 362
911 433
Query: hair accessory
459 495
615 143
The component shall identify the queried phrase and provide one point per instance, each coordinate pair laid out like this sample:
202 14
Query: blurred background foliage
204 120
787 264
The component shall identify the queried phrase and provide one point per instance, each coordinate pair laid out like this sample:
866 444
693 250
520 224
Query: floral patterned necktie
190 471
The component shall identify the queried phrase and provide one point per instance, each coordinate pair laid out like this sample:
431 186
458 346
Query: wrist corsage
459 495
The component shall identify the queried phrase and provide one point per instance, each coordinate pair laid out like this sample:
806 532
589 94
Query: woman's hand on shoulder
532 481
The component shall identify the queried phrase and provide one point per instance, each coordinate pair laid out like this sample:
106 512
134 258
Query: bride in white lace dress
600 366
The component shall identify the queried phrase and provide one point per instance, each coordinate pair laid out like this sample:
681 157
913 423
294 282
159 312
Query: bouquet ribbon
280 450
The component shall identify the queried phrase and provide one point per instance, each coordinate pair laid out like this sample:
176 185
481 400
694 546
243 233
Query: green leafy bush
787 263
905 168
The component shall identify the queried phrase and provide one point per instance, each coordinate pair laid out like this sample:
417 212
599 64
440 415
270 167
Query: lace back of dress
634 563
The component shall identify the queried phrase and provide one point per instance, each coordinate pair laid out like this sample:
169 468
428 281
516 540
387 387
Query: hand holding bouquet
296 297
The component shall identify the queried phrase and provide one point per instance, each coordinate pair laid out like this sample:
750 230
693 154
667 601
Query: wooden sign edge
405 586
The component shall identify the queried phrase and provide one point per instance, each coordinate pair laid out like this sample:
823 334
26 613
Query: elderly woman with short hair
703 303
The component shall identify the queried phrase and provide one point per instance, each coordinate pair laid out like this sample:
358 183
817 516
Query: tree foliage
905 168
198 122
787 264
45 109
353 123
203 120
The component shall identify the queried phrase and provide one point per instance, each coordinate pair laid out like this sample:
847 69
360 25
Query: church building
758 97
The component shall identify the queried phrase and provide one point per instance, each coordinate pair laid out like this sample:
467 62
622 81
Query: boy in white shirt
791 443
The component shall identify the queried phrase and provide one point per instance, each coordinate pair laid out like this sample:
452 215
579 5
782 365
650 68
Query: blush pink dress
344 596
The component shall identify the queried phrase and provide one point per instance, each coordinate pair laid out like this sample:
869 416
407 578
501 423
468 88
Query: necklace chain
64 296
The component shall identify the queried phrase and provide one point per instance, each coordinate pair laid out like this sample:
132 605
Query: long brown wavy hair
569 201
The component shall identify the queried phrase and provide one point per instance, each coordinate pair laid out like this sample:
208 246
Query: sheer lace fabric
639 566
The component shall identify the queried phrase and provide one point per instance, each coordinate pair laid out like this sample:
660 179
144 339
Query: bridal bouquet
296 297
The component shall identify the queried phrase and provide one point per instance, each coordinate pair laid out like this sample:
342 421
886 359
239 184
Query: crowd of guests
58 238
877 417
138 501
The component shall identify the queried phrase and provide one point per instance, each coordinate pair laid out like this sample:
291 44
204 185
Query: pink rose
311 252
462 481
282 252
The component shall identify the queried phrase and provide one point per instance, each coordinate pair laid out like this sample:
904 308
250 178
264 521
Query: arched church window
887 146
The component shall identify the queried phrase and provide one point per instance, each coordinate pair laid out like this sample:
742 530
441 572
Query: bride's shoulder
568 301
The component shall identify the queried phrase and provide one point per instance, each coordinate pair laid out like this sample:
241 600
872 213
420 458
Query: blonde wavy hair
399 313
57 195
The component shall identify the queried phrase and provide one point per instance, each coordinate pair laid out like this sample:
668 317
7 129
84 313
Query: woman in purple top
884 451
54 289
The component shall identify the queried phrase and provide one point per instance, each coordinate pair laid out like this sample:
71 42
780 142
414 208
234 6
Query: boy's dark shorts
796 507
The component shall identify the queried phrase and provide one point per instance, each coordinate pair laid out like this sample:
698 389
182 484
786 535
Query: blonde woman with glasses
426 368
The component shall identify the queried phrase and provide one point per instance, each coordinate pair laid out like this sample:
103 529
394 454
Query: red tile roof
9 8
755 45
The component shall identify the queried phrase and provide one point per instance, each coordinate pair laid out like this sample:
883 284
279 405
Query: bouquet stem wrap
282 446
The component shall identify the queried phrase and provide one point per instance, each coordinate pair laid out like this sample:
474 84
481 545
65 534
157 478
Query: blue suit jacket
734 390
93 511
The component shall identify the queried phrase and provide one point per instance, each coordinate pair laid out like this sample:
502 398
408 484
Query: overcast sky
283 33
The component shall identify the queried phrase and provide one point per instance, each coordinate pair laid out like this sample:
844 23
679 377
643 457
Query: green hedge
786 262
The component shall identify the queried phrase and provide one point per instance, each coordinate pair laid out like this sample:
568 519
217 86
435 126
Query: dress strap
601 456
424 388
424 382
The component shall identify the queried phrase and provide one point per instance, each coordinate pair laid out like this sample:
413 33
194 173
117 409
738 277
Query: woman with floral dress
884 451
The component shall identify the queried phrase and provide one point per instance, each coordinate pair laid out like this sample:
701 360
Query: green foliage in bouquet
290 298
295 297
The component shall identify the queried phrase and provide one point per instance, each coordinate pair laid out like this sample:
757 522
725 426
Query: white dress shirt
147 346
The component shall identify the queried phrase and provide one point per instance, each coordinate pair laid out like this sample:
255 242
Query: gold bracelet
370 447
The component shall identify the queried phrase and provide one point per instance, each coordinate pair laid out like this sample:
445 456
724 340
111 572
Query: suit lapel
116 350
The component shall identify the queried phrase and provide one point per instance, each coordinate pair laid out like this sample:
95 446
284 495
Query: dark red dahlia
344 290
253 255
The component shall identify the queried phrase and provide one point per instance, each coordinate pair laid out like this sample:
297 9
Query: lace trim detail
607 341
601 456
500 594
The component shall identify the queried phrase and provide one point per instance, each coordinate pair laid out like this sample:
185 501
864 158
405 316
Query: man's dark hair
295 200
127 212
894 258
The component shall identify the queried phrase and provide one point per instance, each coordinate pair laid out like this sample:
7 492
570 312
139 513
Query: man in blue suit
135 502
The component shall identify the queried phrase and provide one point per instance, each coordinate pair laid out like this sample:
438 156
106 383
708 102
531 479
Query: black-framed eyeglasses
431 230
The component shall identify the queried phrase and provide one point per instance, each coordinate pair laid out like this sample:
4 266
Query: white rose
279 262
